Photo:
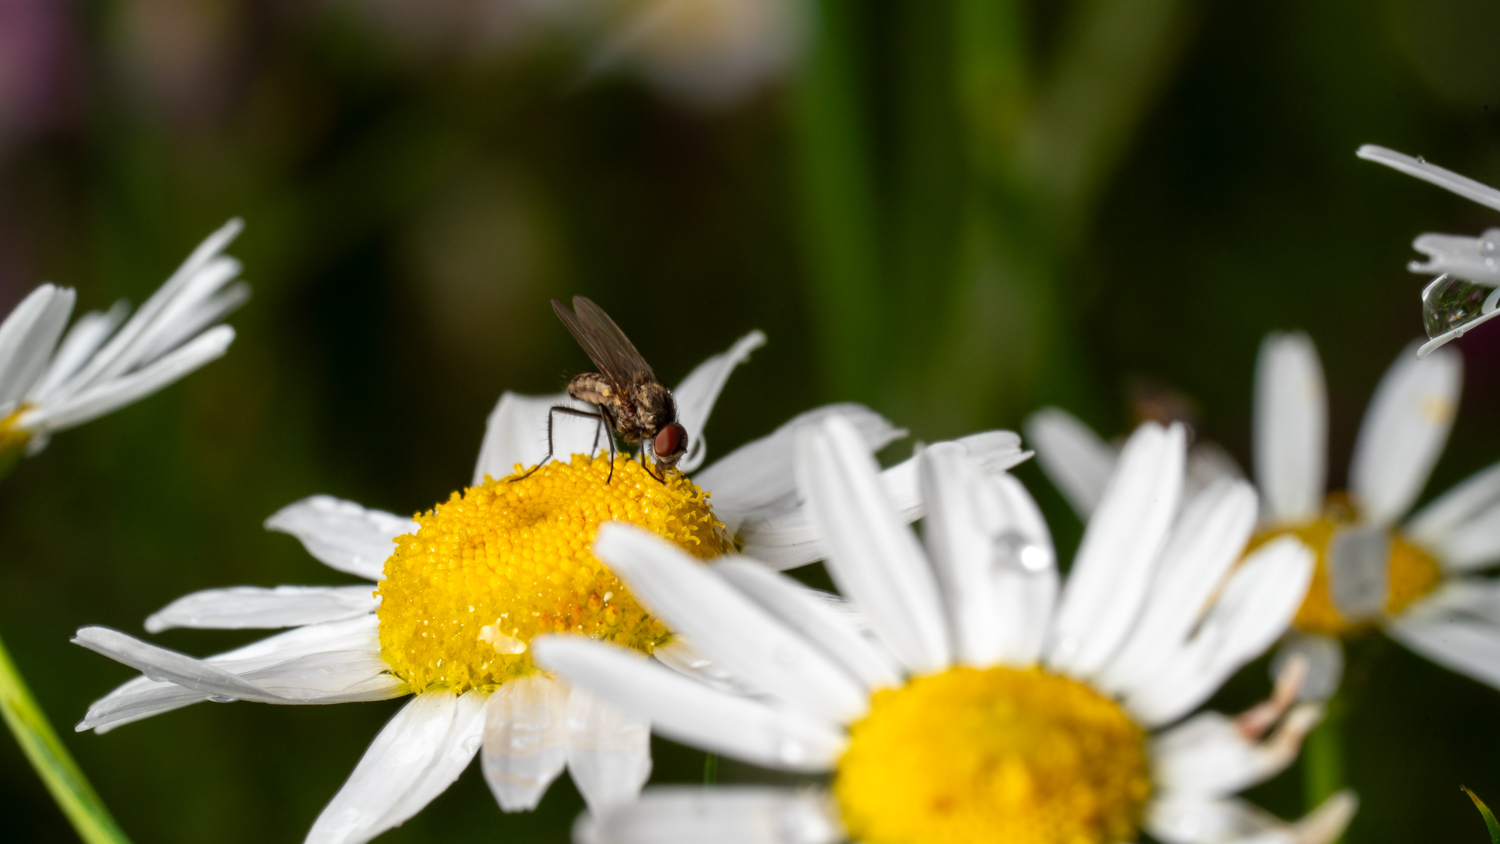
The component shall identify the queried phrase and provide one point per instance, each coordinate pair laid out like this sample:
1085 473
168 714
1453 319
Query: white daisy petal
170 666
1467 644
789 538
252 607
732 629
681 656
320 663
1432 174
413 759
1255 607
1477 495
1025 577
1208 540
1472 545
873 557
341 534
525 740
1114 565
1195 820
698 392
118 391
728 815
756 479
1209 755
122 352
1291 428
964 551
82 340
28 337
689 712
1404 432
462 741
516 433
1075 459
609 751
1458 256
810 614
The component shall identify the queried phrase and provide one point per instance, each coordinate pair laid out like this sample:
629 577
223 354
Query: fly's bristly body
628 397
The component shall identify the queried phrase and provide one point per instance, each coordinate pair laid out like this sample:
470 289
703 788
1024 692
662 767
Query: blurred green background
954 210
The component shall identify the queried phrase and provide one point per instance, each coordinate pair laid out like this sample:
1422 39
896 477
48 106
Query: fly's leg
571 411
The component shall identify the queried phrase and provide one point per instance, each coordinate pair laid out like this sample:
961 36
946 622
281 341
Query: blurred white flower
985 699
1377 567
710 53
50 381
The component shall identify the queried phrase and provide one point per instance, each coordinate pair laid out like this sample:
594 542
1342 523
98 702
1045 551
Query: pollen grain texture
995 754
499 563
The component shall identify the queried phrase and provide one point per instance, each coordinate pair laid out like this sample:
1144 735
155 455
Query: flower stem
710 768
1323 756
51 760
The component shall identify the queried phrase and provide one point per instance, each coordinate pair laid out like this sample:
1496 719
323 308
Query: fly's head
669 444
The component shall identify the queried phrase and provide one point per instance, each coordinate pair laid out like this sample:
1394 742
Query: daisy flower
51 380
988 701
1377 566
1467 288
456 595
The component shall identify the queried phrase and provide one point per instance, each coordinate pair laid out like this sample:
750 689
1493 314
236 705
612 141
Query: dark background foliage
901 215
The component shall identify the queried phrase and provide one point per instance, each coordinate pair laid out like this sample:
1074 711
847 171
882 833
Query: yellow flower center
995 754
501 562
13 439
1410 571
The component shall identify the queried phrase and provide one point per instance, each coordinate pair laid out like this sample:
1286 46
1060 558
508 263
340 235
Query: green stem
51 760
837 195
710 768
1323 757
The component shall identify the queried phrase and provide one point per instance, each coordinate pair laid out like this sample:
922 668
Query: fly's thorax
501 562
1365 573
654 406
996 754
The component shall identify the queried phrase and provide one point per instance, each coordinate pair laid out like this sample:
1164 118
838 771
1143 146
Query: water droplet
1450 304
472 743
1421 160
222 698
1489 243
1013 550
791 752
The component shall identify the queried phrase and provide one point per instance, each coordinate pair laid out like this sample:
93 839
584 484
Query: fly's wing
606 345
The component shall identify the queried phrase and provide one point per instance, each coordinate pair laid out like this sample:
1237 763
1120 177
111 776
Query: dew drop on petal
222 699
1450 303
1489 243
1014 551
791 752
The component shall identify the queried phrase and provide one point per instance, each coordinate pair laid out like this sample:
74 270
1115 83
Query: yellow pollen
997 754
13 439
1411 572
501 562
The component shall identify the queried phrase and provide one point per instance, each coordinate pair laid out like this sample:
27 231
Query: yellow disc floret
997 754
13 439
1410 573
501 562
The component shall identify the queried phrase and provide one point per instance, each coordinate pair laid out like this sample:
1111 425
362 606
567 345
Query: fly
627 397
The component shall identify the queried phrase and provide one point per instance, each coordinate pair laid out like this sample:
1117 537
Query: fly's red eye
670 440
